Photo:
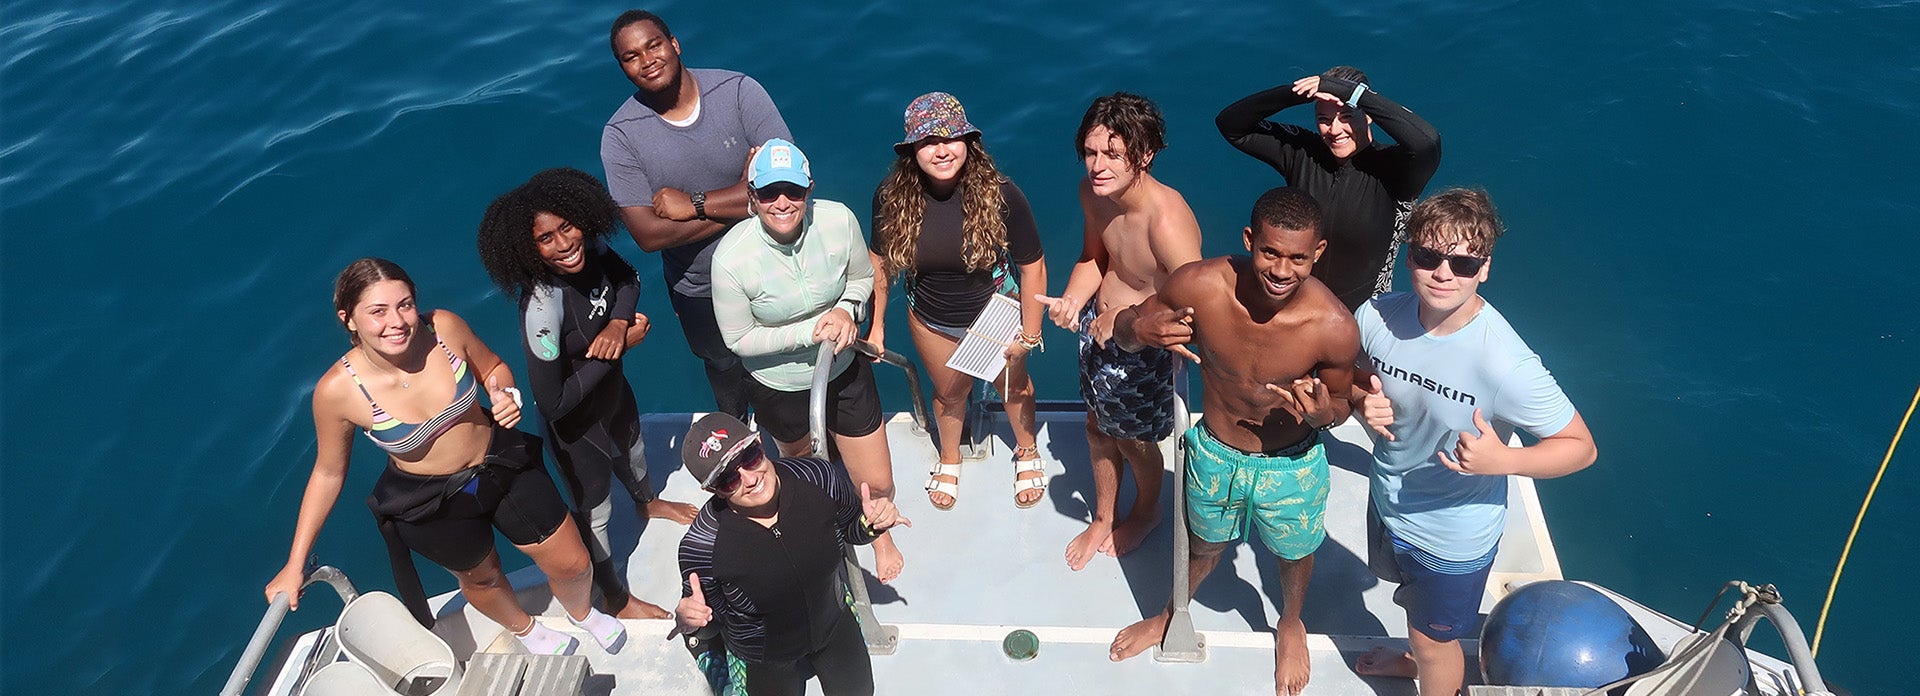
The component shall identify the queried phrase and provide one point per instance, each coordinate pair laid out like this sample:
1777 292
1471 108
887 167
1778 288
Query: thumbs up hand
1480 453
506 403
1376 410
692 613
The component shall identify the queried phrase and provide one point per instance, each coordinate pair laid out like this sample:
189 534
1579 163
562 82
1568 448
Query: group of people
1290 340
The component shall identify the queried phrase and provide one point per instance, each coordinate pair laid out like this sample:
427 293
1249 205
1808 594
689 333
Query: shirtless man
1137 231
1276 350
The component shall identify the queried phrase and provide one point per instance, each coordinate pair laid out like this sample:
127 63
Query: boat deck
986 568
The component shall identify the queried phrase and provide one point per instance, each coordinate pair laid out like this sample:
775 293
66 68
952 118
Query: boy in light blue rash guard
1443 382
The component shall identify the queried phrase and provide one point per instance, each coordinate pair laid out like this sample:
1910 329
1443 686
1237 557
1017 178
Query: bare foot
1387 662
1131 532
637 609
1143 634
1082 548
887 560
663 509
1291 664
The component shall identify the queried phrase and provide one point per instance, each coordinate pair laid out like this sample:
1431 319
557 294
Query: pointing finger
1183 352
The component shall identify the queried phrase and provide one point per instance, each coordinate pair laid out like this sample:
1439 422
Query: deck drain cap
1021 645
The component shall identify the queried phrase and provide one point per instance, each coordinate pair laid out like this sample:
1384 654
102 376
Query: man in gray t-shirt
675 155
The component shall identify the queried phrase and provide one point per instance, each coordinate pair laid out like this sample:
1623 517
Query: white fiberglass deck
985 568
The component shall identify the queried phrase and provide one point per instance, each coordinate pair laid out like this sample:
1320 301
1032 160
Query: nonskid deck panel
985 568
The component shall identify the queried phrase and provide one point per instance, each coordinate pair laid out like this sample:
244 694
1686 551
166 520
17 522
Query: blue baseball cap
779 161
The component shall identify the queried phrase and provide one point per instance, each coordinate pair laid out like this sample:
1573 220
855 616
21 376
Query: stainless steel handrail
881 639
270 624
823 373
1181 643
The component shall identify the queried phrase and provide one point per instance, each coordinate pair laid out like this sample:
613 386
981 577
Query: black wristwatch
699 199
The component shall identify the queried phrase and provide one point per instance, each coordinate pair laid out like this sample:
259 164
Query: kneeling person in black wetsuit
761 561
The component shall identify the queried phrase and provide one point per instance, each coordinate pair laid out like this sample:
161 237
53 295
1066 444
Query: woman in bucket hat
959 231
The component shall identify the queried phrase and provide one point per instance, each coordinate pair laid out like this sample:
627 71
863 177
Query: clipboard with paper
983 351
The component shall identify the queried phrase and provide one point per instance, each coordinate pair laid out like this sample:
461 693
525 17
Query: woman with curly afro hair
544 244
959 232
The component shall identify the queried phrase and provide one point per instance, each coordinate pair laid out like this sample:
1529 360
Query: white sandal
1031 483
950 488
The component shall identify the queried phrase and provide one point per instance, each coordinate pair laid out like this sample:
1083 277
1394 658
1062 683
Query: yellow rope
1821 627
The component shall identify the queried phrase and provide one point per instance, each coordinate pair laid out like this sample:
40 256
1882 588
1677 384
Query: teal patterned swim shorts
1283 494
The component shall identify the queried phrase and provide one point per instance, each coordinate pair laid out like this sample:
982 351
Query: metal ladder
881 639
270 624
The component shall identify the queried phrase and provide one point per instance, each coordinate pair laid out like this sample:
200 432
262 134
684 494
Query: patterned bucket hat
935 115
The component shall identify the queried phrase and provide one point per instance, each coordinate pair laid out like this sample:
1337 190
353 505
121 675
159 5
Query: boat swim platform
986 568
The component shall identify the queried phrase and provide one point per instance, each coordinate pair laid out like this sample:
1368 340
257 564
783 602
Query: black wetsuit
1364 201
776 592
588 408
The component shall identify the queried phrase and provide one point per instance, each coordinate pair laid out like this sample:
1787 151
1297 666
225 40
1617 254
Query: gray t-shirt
643 153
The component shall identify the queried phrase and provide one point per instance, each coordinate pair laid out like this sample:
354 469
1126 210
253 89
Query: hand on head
1307 86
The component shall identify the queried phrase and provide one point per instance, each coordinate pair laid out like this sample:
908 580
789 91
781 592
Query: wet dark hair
354 280
1344 72
1132 117
632 17
506 243
1287 208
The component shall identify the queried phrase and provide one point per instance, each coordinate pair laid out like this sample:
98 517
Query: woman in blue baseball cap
959 231
790 277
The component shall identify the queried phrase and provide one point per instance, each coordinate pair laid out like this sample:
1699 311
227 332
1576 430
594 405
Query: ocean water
1711 243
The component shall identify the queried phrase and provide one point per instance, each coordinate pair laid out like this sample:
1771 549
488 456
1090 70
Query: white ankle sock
606 630
541 640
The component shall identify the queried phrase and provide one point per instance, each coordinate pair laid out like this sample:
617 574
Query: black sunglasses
773 192
1427 259
728 482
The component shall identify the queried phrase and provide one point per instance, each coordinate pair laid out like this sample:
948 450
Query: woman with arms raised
411 382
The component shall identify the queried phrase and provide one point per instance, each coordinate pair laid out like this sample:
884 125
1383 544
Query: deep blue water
1709 203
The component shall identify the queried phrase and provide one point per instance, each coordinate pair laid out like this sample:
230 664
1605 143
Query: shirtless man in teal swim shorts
1275 347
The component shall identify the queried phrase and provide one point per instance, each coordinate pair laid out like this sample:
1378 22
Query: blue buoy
1559 633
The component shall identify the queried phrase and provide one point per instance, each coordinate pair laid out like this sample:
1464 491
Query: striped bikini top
399 437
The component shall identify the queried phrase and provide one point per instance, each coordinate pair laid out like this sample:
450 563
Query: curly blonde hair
896 224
